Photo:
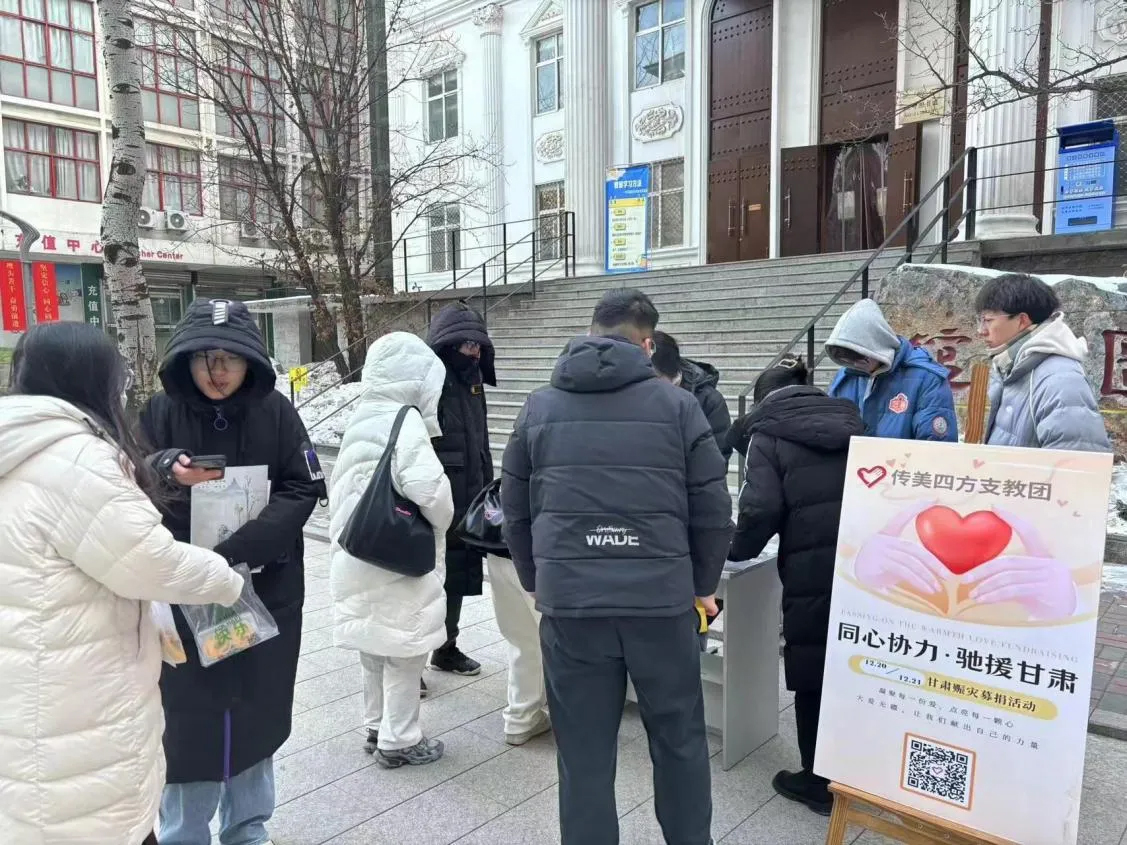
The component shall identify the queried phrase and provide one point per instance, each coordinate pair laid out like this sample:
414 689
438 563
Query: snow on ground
326 405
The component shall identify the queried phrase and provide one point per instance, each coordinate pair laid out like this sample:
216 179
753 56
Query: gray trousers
586 662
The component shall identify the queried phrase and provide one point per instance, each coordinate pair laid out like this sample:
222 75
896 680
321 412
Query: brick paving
1109 683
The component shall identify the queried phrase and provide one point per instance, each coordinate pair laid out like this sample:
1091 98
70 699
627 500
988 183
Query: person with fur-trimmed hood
224 723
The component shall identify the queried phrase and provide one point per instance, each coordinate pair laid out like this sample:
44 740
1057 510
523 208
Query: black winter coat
795 475
701 379
614 494
223 719
463 447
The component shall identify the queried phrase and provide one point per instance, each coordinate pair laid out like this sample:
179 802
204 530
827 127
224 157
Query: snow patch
326 406
1111 284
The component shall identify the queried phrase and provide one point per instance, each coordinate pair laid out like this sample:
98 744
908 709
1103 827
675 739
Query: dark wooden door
859 47
799 212
903 180
739 129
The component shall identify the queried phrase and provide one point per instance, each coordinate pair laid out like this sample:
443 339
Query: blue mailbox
1086 177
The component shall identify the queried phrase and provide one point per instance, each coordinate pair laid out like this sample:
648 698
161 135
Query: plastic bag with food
171 646
221 632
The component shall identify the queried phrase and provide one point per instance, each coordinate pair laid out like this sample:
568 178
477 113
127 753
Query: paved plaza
485 793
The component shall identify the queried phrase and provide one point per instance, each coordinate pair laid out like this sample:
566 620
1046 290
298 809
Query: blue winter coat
912 401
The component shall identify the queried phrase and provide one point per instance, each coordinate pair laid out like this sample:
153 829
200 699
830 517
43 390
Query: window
173 181
550 221
659 42
442 106
549 74
168 310
1111 103
667 204
168 75
316 214
47 51
46 161
444 225
244 194
251 92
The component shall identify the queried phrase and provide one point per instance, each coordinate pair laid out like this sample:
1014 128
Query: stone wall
933 306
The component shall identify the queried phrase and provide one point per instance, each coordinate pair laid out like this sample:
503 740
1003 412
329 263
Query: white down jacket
82 551
377 611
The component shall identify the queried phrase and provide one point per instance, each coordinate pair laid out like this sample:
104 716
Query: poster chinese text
628 191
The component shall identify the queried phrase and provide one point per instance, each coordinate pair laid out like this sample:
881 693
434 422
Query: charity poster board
222 507
962 632
627 199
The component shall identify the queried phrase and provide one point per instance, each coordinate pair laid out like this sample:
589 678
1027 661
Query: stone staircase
735 316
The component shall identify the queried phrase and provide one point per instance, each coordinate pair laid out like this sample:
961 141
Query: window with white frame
659 42
667 203
549 221
442 106
549 74
444 225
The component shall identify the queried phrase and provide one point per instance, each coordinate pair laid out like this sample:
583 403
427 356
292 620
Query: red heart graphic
978 464
872 476
962 543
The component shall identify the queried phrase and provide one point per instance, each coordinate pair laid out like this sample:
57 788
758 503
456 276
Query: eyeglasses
470 348
224 361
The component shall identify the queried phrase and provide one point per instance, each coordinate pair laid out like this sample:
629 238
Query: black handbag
480 528
385 529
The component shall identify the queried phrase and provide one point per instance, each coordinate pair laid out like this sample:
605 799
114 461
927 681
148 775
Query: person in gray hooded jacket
1039 395
617 514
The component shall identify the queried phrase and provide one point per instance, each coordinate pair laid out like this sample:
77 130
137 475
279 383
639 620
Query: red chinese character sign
962 632
12 297
46 292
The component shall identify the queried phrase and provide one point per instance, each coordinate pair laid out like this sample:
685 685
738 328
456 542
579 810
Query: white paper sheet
220 508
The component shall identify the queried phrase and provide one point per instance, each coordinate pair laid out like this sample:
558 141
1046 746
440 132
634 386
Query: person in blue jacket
901 390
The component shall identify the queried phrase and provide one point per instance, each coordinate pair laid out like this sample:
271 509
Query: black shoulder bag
481 527
385 529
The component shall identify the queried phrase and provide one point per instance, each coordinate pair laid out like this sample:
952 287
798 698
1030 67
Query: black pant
453 617
586 662
807 703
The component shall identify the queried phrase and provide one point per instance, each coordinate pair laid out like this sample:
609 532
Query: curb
1106 723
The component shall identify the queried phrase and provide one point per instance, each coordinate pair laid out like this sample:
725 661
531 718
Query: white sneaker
541 725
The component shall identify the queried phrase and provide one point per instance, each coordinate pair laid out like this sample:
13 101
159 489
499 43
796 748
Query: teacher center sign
962 632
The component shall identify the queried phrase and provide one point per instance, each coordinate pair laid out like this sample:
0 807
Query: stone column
488 17
1005 35
586 131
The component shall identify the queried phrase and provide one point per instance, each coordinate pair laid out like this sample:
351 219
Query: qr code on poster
938 771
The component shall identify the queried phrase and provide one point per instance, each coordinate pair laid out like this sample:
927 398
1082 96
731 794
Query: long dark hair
79 364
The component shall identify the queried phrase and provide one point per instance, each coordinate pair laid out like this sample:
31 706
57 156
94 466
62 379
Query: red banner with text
11 296
46 292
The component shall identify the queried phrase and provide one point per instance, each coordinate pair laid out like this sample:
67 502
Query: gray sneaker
427 751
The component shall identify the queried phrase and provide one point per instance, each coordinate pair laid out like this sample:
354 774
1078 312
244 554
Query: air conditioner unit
146 219
316 237
248 229
176 221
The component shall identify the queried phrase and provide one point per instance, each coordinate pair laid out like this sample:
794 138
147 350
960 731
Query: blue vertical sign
627 242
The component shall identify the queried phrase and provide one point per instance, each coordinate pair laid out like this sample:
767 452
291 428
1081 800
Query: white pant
391 699
519 622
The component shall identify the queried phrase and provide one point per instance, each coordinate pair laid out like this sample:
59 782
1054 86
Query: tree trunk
326 344
379 142
129 293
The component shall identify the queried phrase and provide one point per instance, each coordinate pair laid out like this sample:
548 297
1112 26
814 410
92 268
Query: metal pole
946 217
30 236
563 243
810 355
504 253
406 286
865 283
484 309
453 267
972 191
533 263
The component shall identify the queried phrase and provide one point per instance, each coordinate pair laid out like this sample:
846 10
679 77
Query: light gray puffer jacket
1045 400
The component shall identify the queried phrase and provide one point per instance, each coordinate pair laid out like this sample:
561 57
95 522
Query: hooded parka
82 552
701 380
376 611
234 714
795 476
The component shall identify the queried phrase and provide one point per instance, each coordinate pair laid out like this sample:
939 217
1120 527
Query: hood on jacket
216 324
456 324
601 365
807 416
864 330
1053 337
30 424
697 375
400 369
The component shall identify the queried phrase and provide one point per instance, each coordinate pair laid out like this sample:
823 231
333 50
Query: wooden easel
852 806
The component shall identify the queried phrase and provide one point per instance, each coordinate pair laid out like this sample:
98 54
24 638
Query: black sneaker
423 691
372 743
807 788
427 751
452 660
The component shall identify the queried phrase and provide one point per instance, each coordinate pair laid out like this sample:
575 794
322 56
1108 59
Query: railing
536 264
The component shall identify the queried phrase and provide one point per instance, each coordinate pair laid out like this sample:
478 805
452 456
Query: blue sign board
627 241
1086 177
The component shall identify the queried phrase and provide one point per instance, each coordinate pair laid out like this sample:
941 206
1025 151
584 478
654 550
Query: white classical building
771 127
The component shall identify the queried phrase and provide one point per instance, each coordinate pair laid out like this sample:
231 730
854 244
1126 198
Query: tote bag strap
393 438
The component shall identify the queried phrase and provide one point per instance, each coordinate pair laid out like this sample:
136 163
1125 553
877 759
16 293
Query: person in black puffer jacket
795 475
700 379
458 336
224 723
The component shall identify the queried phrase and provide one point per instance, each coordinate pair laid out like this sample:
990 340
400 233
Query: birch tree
129 294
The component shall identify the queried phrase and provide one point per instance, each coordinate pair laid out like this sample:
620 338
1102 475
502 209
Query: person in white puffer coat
393 620
82 553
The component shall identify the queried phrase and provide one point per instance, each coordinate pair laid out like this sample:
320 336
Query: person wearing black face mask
459 337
